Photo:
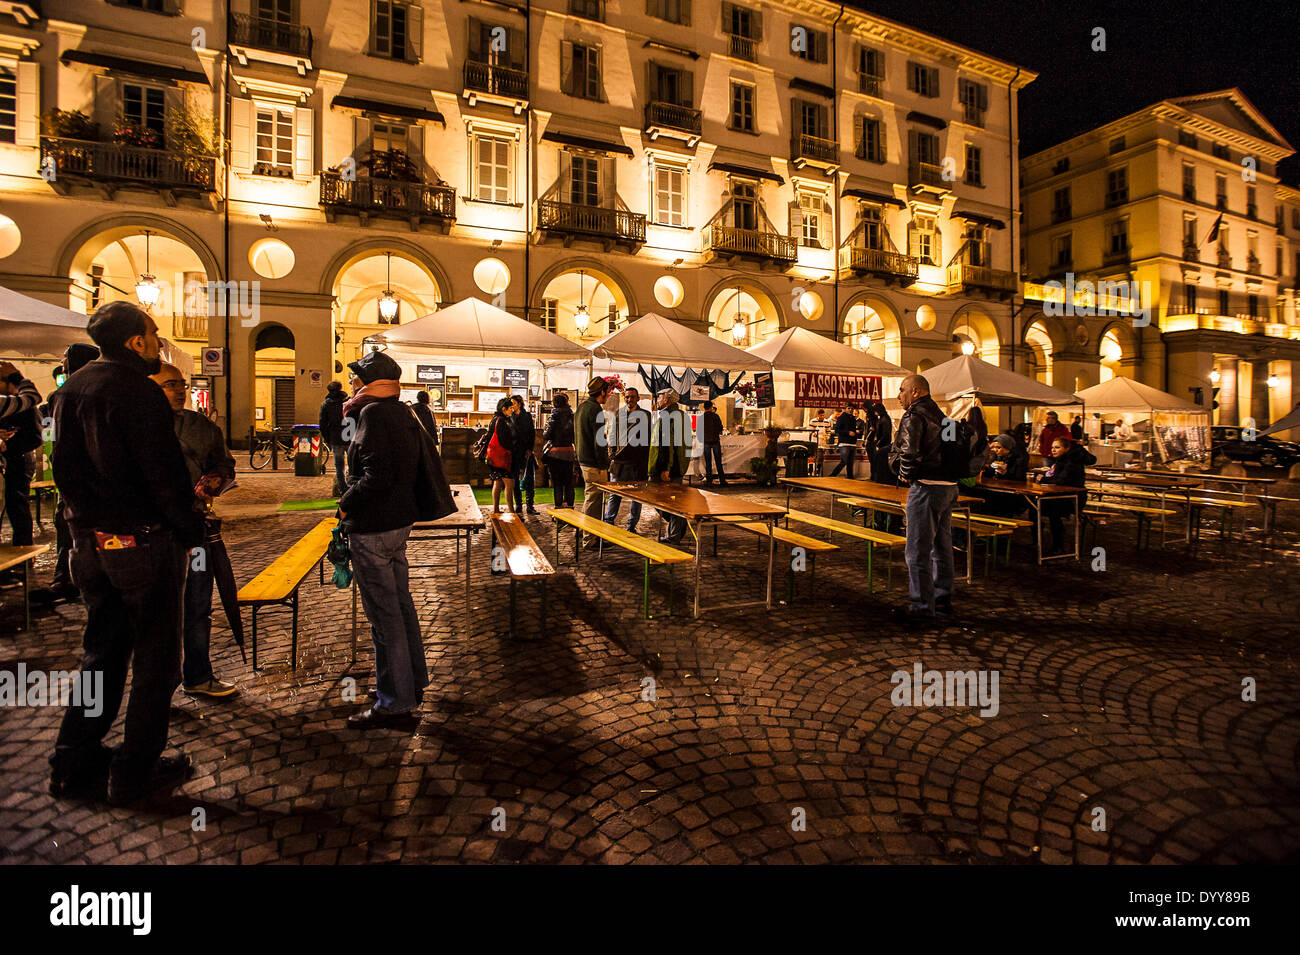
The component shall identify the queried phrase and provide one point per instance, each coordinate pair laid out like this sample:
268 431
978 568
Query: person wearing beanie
593 454
331 432
377 510
1010 463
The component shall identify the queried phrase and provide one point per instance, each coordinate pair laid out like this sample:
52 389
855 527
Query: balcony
728 241
365 196
869 84
671 119
1225 259
609 224
813 149
190 328
1191 251
1117 256
925 174
271 41
500 84
742 47
1252 263
110 166
981 278
889 265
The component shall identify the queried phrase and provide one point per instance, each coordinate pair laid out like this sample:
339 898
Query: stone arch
766 306
970 320
850 321
365 248
619 286
82 247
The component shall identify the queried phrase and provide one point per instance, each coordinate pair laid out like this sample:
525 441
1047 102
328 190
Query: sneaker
213 687
167 772
375 718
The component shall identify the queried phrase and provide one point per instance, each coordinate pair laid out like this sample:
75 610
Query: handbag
498 455
565 453
340 556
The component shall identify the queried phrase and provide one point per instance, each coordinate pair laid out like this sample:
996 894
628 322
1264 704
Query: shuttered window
923 79
670 195
274 143
8 105
492 168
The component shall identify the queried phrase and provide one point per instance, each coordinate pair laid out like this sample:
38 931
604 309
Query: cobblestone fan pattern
1119 690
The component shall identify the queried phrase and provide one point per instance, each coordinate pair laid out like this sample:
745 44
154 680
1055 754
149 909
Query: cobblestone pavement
1120 690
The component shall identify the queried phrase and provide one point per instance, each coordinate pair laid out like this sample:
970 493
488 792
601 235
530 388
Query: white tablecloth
737 449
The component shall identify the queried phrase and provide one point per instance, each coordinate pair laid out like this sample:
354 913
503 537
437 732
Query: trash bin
796 460
308 458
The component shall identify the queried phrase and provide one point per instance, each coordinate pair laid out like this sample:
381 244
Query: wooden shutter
651 81
911 75
415 147
983 92
607 184
241 134
303 154
515 48
107 100
933 72
474 44
374 31
820 47
688 88
360 139
414 33
826 231
756 18
882 154
652 8
28 129
795 220
598 53
566 67
564 175
727 17
685 8
912 150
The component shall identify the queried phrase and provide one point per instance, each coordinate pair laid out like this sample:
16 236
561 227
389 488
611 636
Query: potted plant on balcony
193 136
393 164
141 137
69 124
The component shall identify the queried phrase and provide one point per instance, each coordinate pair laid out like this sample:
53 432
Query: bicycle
259 453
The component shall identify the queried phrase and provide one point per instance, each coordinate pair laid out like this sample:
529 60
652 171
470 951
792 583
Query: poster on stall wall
820 391
431 374
699 392
764 390
516 378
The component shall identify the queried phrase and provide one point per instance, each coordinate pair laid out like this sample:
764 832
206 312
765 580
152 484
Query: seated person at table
1066 466
1010 462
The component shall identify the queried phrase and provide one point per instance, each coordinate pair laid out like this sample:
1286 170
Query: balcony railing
924 173
879 262
978 276
387 197
972 114
1225 259
110 162
814 148
672 116
869 84
190 328
1192 251
263 34
729 240
1112 256
743 47
496 80
607 222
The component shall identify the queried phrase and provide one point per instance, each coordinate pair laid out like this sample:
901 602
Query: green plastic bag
339 555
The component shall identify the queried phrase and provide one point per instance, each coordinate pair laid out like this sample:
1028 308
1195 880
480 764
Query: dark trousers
383 580
561 473
928 550
18 508
340 453
133 618
713 452
847 451
197 667
525 475
63 543
1056 512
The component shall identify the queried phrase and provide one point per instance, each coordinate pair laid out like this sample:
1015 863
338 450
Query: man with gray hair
670 452
917 458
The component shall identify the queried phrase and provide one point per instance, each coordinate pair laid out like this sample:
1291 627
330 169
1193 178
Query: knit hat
1005 440
376 366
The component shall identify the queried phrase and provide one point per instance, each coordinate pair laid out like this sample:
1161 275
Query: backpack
433 498
966 454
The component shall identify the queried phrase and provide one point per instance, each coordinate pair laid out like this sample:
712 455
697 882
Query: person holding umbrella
212 470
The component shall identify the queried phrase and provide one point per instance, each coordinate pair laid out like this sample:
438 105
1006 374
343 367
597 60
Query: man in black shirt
711 429
522 461
331 432
129 504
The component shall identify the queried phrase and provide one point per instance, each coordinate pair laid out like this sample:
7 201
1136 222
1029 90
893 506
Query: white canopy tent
968 377
1177 429
1285 423
799 349
655 340
1126 395
474 329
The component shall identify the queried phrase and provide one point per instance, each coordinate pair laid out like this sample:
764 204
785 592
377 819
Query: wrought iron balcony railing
730 240
978 276
879 262
387 197
743 47
671 115
111 162
1191 252
264 34
814 148
608 222
973 114
869 84
925 173
496 80
1061 214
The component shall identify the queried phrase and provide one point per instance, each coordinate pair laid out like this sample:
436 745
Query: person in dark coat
631 458
711 432
846 433
1067 466
558 452
879 438
331 432
425 414
21 431
377 511
130 506
1010 463
522 462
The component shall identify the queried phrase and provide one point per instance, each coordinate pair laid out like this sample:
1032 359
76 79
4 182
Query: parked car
1264 451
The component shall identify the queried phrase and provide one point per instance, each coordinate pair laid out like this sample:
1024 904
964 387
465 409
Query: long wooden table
699 507
1242 485
1161 484
1034 495
467 521
886 493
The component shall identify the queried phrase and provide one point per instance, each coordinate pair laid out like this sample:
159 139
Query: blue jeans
197 667
524 476
611 511
379 562
339 452
713 452
929 544
847 452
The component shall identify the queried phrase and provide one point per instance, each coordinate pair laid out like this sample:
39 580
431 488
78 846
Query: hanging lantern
147 291
388 302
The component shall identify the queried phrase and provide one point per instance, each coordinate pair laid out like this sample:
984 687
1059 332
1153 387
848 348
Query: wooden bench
986 532
651 551
22 556
278 584
874 539
39 490
523 559
1198 506
811 545
1144 513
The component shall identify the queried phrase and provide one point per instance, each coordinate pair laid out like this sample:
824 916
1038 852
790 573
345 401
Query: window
975 245
925 240
811 206
670 85
582 70
925 148
1189 298
590 9
550 312
8 105
1186 139
1117 145
674 11
385 137
974 100
274 144
281 11
1277 265
873 233
391 29
1297 264
871 70
1220 151
741 22
742 107
871 145
1220 192
923 79
1225 302
744 205
1295 218
974 166
584 180
670 195
815 46
1190 242
1252 207
493 172
142 107
1063 251
1116 186
812 118
1061 204
1117 238
1189 182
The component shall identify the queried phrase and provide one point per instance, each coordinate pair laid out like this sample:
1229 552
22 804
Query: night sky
1156 49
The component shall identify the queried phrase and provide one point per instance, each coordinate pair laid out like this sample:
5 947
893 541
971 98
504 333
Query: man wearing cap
377 511
592 450
129 503
670 452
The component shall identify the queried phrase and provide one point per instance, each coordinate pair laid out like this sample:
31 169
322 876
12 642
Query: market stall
1156 427
966 380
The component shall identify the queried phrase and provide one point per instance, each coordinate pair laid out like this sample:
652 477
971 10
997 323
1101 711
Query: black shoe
532 510
943 608
89 779
373 719
912 619
167 772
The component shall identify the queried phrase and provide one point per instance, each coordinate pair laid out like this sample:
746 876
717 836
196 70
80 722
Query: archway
973 332
1038 345
1110 354
870 325
583 304
273 376
378 287
743 315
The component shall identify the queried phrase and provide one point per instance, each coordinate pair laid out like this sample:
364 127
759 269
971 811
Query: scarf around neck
377 389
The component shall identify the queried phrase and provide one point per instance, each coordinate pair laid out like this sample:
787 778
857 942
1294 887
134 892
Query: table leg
1038 527
27 603
467 563
771 562
1078 516
698 559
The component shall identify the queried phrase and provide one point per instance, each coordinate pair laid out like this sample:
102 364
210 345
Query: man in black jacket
711 428
522 460
377 511
331 432
917 458
129 504
846 433
22 436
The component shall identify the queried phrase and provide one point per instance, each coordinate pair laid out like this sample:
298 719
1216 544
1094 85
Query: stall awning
120 64
1121 394
474 329
737 170
582 142
966 376
387 109
655 340
802 349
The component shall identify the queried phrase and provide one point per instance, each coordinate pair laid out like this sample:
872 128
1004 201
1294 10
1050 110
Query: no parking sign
214 361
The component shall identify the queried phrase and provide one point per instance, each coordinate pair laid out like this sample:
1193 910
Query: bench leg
715 539
789 585
294 656
871 577
672 591
27 587
320 566
545 588
254 638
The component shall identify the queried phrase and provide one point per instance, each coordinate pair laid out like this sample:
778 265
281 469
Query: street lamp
388 302
581 320
968 348
1214 377
1274 381
147 290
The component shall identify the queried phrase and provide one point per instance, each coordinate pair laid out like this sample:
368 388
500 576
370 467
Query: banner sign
430 374
516 378
831 391
764 390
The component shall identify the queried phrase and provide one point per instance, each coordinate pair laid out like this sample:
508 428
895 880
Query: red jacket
1050 434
